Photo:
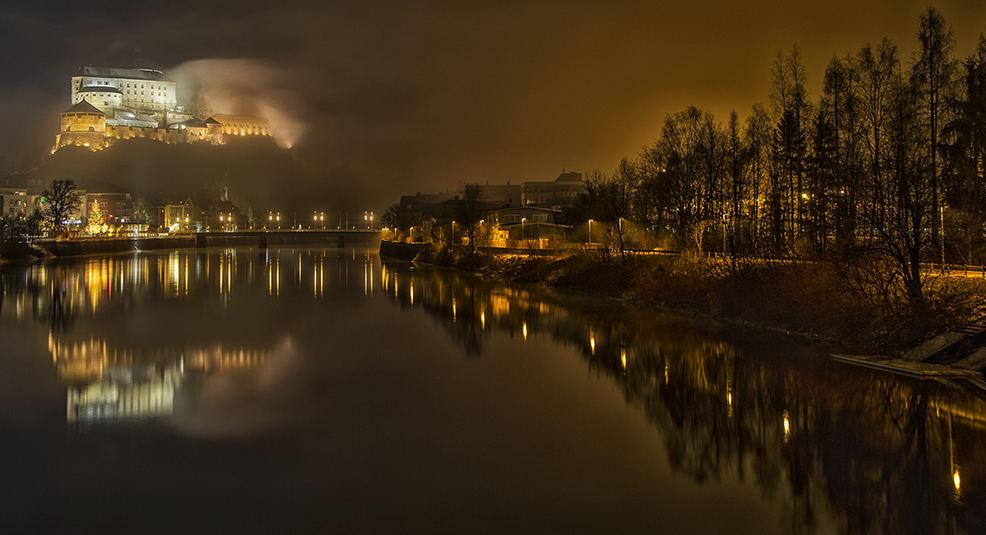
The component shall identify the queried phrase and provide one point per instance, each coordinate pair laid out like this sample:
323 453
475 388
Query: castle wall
93 140
240 125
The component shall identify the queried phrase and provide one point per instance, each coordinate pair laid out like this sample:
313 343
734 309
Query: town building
15 202
117 208
501 196
559 192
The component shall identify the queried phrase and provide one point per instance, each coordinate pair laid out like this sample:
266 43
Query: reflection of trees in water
875 452
46 296
467 307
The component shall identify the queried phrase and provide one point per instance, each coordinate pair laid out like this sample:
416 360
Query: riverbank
42 248
818 300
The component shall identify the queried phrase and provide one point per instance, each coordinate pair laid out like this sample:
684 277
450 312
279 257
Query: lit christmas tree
97 219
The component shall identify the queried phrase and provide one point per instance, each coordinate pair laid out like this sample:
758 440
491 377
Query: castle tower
84 125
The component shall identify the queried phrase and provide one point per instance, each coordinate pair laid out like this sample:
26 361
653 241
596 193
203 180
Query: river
299 390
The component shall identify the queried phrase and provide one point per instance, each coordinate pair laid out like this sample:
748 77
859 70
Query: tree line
889 161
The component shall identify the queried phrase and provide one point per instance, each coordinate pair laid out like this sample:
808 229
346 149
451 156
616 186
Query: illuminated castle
110 104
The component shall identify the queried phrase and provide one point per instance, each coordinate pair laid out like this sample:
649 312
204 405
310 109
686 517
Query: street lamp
589 245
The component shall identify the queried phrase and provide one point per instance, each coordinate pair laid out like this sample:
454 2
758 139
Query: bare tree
472 206
757 140
678 161
792 108
199 107
933 76
900 209
59 200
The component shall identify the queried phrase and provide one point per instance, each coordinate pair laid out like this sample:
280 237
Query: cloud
244 87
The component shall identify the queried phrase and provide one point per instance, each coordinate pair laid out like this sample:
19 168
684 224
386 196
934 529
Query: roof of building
133 74
230 119
84 107
569 177
100 89
197 123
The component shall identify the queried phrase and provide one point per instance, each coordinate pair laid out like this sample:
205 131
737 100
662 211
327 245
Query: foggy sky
390 97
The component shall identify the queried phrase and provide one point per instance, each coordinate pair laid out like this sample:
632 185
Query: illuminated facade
110 104
15 202
562 190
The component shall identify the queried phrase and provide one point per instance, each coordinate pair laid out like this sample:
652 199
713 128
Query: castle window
68 128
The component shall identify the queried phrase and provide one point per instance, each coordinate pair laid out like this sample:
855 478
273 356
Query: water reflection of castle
114 381
106 383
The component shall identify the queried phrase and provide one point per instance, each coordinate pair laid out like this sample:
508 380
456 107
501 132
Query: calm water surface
325 391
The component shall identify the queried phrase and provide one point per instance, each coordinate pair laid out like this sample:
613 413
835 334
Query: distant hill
254 171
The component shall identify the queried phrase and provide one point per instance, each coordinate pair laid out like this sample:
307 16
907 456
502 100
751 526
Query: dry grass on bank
855 308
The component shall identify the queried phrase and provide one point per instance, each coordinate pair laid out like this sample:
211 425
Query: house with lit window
526 226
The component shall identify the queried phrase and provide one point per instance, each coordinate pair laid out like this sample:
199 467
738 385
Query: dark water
323 391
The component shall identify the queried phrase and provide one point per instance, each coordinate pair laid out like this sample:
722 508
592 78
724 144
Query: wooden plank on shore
933 346
975 361
905 367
